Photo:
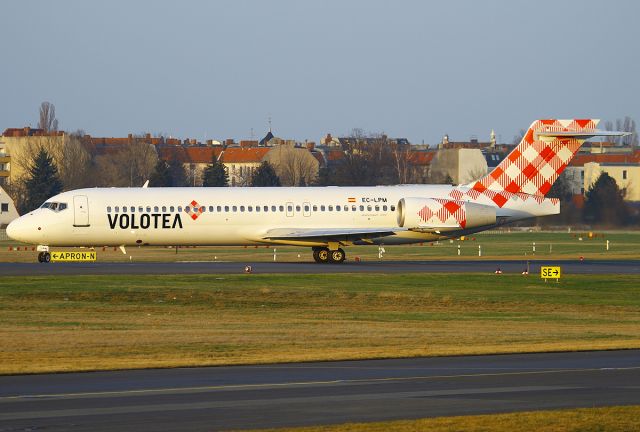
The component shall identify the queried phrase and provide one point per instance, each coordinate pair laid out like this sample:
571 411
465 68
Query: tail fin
542 155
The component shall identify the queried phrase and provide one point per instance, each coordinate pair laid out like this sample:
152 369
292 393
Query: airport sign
66 256
550 272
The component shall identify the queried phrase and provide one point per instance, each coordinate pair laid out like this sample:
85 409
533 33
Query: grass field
502 245
614 419
106 322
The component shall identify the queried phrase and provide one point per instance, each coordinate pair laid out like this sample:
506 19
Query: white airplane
323 218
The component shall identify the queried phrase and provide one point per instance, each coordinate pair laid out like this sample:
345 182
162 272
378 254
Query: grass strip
610 419
69 323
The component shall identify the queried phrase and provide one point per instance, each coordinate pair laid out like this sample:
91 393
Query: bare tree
626 124
130 166
294 166
48 121
400 156
518 137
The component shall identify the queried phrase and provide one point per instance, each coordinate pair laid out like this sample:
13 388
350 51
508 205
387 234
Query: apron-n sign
73 256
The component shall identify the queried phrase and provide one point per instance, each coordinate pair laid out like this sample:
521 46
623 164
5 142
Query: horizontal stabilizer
581 134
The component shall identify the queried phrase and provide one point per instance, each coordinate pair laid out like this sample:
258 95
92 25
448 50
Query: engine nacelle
443 214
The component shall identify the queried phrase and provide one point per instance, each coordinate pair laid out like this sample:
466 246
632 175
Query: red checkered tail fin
542 155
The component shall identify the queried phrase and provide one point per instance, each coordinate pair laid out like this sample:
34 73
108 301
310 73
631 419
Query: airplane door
306 209
80 211
289 209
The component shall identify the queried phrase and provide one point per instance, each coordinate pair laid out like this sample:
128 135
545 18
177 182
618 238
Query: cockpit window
55 206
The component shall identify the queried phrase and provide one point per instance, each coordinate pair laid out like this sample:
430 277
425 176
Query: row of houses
300 162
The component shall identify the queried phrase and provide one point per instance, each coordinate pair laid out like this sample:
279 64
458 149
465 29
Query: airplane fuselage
231 216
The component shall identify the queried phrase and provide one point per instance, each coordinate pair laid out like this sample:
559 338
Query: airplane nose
17 230
12 229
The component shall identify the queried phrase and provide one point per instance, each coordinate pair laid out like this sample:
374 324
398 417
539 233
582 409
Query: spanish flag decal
352 200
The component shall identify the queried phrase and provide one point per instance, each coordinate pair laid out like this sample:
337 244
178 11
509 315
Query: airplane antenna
144 186
269 122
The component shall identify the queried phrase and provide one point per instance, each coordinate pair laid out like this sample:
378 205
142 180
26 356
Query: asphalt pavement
221 398
218 267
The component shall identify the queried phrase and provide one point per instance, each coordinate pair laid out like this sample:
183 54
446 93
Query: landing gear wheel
40 257
46 257
337 256
321 255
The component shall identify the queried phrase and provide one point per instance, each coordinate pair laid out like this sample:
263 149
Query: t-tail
523 179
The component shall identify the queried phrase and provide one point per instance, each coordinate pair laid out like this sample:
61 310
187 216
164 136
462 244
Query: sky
222 69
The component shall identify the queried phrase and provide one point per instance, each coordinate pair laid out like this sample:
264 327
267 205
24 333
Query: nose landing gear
44 257
325 255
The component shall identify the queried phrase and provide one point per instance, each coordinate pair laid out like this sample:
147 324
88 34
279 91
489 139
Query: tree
625 125
42 181
161 176
569 212
215 175
48 121
265 175
604 203
518 137
131 165
294 166
178 173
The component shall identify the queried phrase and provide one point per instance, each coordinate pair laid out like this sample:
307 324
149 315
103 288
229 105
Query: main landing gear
44 257
325 255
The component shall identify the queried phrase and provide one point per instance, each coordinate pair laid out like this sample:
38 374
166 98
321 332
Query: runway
219 398
218 267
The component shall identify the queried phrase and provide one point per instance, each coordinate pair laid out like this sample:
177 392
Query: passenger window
377 208
368 208
297 208
250 208
337 208
164 209
289 208
315 208
219 209
117 209
140 209
210 209
273 208
242 208
257 208
203 209
361 208
148 209
322 208
187 209
265 208
179 209
384 208
226 208
330 208
234 208
108 209
353 208
62 206
172 209
306 208
281 208
155 209
393 208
